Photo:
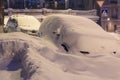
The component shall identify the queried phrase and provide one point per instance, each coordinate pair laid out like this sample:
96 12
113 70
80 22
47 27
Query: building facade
52 4
110 15
82 4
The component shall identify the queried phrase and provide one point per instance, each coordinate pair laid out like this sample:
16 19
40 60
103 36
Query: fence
92 14
68 11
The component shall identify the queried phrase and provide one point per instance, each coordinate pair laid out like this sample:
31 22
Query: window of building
114 9
113 2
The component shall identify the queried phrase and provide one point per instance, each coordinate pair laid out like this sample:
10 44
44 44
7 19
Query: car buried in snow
24 23
78 34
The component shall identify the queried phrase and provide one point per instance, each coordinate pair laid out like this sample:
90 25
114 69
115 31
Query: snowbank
43 60
57 54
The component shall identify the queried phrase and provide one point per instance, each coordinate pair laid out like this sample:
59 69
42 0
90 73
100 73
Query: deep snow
42 59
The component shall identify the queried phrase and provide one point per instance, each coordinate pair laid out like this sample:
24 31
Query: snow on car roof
27 22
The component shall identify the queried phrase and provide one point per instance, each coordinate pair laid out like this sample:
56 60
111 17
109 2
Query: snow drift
42 60
46 58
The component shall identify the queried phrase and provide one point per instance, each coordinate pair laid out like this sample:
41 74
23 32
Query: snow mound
78 34
43 60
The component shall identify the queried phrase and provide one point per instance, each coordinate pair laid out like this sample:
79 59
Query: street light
108 19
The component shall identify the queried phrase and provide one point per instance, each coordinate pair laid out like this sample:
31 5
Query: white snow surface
78 34
25 22
48 62
44 60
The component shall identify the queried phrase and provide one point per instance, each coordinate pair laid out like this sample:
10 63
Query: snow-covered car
25 23
78 34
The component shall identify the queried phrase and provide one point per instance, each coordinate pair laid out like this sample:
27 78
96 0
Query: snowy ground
42 59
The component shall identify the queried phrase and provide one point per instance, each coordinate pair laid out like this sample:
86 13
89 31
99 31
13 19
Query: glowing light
108 19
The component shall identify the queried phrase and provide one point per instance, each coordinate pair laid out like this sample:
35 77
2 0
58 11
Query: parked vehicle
25 23
78 34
